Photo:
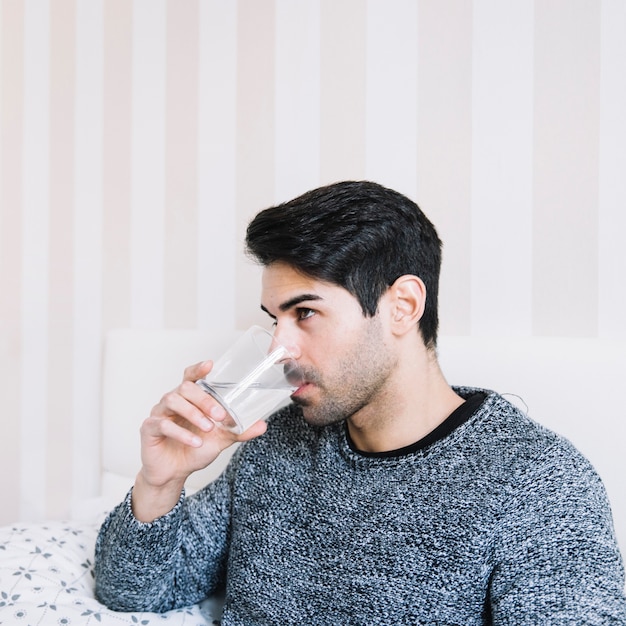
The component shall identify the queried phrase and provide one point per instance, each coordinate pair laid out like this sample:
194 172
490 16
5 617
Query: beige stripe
342 90
11 119
565 189
444 145
35 258
116 163
61 279
181 158
255 141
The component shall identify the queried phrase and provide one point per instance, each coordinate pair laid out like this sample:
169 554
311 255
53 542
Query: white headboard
571 385
139 367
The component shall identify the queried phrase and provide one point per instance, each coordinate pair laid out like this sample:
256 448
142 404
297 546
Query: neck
414 403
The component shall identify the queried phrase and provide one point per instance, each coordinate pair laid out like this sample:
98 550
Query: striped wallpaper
139 136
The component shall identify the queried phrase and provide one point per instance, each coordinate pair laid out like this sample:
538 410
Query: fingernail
217 412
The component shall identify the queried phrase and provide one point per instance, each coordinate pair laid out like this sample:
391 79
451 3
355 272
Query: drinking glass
254 378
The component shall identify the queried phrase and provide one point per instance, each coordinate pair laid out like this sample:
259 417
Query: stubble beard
358 379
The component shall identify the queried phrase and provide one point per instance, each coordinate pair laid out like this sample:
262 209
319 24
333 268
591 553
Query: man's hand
181 435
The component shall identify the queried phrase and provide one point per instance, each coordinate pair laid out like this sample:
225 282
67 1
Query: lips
300 388
301 378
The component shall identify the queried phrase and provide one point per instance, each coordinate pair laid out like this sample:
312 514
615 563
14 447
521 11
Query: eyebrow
288 304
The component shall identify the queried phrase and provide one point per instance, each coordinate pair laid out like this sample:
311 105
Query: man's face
343 355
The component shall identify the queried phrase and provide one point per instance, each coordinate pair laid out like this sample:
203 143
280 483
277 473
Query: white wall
138 137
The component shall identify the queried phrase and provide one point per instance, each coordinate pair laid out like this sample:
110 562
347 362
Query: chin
316 417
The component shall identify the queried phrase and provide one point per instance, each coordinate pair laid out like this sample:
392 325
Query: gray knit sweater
499 522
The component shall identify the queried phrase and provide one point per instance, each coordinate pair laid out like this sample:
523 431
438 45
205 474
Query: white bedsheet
46 578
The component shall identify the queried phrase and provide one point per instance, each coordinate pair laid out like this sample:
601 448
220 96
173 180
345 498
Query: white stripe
35 188
87 247
148 163
217 89
297 92
612 179
2 87
391 102
502 144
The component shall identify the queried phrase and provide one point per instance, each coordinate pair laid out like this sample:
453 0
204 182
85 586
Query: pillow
46 577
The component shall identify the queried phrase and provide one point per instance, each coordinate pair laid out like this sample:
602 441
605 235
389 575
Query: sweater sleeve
174 561
557 559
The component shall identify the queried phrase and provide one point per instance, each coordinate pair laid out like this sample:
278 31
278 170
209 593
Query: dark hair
358 235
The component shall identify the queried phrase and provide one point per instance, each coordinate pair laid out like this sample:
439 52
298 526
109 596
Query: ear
407 298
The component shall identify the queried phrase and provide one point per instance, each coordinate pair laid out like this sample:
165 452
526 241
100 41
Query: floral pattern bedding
46 578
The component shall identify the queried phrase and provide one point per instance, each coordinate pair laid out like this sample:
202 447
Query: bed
46 569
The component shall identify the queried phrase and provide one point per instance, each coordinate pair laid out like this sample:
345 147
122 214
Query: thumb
256 430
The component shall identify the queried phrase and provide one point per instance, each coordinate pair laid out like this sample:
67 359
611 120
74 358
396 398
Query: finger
197 396
186 403
197 371
157 428
177 432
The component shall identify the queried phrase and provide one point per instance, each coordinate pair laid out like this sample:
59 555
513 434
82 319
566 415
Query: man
381 495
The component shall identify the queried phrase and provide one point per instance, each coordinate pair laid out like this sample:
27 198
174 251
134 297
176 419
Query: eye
304 313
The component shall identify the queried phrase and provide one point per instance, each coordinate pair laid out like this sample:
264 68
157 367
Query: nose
284 339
